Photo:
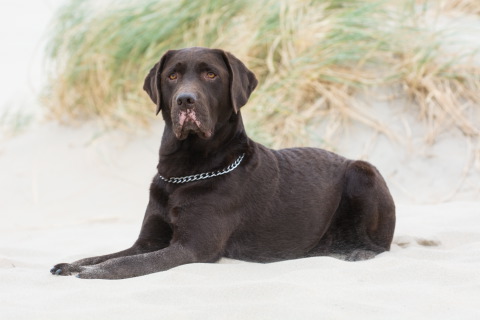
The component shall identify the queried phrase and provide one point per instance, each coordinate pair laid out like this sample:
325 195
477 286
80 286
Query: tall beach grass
312 59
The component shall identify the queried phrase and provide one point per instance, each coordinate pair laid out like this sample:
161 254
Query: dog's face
194 88
198 88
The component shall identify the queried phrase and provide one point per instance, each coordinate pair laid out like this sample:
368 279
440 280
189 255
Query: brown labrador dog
219 194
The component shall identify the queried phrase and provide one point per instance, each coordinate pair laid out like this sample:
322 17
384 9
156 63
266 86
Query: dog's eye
173 76
211 75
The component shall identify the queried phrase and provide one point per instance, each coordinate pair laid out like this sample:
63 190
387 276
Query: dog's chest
171 201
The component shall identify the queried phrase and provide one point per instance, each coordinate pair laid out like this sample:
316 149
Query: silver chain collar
205 175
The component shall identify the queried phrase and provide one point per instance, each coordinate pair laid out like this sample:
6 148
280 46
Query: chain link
205 175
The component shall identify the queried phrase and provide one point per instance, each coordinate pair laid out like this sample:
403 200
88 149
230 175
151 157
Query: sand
69 193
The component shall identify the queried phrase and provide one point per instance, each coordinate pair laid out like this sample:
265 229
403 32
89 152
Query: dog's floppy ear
242 81
152 82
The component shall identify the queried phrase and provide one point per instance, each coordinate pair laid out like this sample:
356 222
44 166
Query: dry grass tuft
466 6
445 97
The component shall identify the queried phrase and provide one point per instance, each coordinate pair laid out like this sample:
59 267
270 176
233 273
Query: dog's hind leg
365 219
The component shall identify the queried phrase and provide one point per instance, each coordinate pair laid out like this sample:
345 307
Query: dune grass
312 59
467 6
14 122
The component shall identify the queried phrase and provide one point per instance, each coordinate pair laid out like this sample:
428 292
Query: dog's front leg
138 265
154 235
140 246
198 238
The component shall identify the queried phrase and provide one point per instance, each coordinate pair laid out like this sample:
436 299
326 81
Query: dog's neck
195 155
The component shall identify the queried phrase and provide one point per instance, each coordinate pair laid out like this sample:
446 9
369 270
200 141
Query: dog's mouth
189 123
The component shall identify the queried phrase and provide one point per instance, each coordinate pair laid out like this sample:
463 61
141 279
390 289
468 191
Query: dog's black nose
186 99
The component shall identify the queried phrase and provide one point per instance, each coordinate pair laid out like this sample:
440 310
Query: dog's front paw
65 269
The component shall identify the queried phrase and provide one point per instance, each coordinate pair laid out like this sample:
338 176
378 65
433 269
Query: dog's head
198 88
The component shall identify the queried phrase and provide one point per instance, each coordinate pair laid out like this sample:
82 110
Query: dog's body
270 205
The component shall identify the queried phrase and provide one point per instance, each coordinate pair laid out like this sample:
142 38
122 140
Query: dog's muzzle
187 121
189 115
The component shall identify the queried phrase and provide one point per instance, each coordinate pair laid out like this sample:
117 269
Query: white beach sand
68 193
66 196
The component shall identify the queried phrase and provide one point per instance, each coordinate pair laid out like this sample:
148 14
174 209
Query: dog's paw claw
63 269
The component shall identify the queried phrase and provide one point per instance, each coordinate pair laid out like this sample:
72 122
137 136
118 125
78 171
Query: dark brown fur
277 204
